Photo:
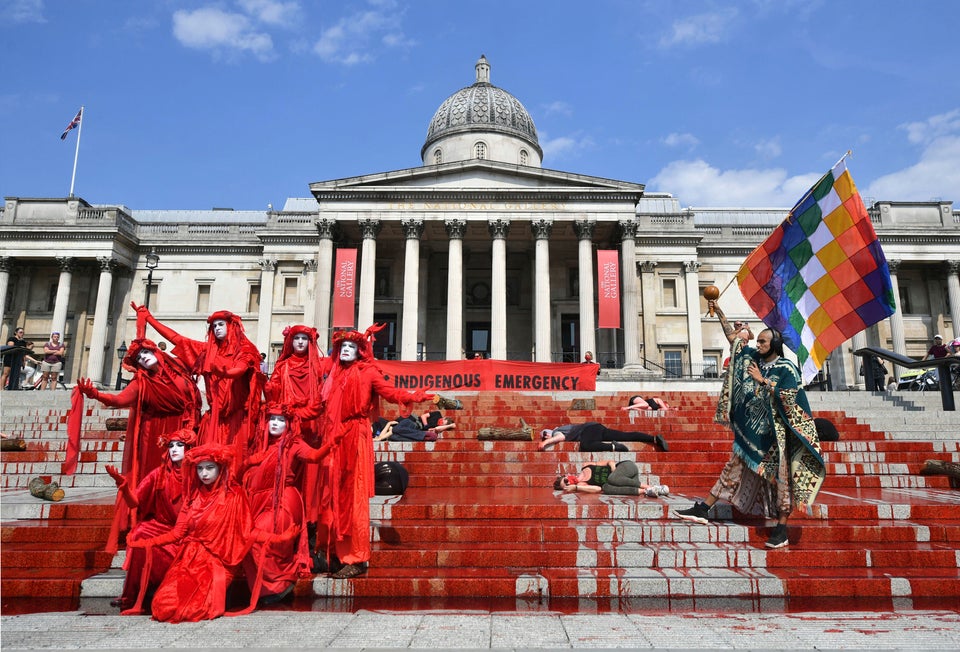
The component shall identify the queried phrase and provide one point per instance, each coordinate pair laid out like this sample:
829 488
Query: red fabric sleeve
74 425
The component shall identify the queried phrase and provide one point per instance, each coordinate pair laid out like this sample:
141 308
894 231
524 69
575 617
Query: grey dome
482 107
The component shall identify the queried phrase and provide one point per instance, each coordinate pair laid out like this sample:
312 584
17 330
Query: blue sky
243 103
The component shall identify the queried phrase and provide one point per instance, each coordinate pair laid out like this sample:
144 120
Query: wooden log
505 434
117 423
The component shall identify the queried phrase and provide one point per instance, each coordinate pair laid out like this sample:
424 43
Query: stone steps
480 519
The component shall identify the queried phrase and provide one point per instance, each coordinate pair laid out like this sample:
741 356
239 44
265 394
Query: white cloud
223 33
769 149
936 174
21 11
271 12
933 127
687 141
564 147
697 183
704 28
558 107
351 40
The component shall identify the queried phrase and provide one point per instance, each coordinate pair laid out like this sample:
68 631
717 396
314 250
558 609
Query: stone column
588 321
59 322
953 292
897 333
628 271
694 324
324 294
456 229
541 307
858 341
268 270
499 229
310 291
648 298
6 266
412 231
368 272
101 319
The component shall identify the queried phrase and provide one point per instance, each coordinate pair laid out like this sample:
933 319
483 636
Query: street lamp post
121 354
152 261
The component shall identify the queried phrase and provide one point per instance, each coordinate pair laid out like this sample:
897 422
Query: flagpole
76 153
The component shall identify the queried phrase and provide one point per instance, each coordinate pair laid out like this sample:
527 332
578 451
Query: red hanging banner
608 288
344 288
491 375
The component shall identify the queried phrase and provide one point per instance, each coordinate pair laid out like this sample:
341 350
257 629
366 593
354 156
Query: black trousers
594 434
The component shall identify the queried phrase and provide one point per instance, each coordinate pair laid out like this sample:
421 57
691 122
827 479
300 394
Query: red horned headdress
364 341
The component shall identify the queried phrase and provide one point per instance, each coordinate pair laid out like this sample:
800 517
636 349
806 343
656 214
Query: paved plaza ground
905 630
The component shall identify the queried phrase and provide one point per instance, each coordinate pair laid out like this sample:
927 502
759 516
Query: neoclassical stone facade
480 249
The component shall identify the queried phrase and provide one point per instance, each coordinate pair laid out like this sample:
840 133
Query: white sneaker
664 490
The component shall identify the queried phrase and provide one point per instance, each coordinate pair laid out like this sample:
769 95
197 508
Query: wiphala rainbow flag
821 277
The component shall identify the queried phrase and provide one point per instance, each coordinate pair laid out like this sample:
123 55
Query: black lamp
121 354
152 261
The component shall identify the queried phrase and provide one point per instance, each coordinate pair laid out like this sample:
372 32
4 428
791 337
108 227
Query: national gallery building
480 249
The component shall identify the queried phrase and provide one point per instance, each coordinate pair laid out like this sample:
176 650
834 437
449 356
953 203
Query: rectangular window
253 301
673 363
152 296
203 298
291 295
906 306
711 365
669 293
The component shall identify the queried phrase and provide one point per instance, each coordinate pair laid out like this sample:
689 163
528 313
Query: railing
941 364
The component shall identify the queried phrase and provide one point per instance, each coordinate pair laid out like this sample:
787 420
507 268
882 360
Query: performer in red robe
230 366
349 398
213 532
279 554
295 382
157 501
162 398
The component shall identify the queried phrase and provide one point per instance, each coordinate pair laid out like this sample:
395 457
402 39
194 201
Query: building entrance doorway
570 338
478 339
385 346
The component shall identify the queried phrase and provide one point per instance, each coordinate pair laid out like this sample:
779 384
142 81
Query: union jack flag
73 125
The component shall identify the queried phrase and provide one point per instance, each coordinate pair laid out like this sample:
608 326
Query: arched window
437 157
480 150
523 157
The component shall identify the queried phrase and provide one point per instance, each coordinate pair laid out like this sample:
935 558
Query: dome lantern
482 121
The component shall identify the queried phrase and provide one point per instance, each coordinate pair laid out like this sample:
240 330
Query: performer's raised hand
85 385
116 475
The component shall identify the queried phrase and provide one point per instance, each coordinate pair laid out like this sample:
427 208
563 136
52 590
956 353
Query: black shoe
661 444
697 513
319 564
778 538
276 597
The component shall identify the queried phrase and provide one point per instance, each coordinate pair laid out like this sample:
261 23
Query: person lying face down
595 437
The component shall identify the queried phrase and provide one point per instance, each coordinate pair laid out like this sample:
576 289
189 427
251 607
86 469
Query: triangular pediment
476 176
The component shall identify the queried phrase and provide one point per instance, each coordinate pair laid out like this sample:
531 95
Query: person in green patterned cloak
776 465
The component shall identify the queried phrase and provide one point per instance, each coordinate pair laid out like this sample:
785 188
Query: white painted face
300 343
147 359
208 471
176 449
219 329
276 425
348 351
